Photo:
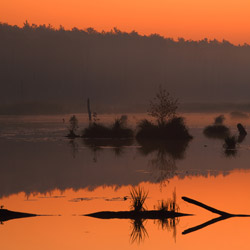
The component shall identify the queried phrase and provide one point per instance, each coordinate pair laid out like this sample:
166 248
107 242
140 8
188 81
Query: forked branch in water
223 215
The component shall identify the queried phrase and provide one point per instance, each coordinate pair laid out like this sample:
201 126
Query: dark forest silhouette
47 70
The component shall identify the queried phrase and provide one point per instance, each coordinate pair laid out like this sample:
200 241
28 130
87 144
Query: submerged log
6 215
150 214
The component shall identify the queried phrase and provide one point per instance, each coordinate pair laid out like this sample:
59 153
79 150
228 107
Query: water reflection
165 214
74 146
241 138
117 145
139 232
6 215
223 215
45 160
231 148
230 153
165 154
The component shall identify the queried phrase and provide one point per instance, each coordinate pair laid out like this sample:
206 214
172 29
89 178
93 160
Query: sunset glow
171 18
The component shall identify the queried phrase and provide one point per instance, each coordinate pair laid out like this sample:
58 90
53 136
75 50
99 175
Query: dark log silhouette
6 215
133 215
241 129
223 215
211 209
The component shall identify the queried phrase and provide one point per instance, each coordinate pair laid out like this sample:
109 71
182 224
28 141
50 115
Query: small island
166 124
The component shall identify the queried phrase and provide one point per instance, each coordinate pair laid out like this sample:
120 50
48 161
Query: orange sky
191 19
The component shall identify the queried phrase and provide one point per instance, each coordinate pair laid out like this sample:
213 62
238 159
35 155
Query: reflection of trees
117 145
74 147
165 154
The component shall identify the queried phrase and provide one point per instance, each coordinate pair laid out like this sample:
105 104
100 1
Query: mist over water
44 70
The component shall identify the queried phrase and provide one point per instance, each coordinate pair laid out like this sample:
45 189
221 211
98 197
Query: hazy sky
191 19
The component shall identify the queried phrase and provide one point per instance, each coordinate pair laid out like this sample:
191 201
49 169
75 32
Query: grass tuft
174 129
117 130
216 131
138 196
170 205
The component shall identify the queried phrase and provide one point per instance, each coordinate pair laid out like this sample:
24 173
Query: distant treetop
116 32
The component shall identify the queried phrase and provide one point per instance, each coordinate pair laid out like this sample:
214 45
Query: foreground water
44 173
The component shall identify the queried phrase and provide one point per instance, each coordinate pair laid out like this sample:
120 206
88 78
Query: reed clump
138 196
218 129
117 130
173 129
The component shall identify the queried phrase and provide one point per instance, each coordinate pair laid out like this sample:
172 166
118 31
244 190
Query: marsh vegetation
167 125
166 214
217 130
118 129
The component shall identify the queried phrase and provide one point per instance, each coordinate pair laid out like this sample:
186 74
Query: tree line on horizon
44 69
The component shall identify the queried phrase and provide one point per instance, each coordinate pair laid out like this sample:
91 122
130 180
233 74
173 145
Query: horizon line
115 28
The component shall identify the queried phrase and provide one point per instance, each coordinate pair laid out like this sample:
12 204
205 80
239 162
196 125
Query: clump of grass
138 196
170 205
146 129
173 129
176 129
217 130
117 130
96 130
230 142
219 120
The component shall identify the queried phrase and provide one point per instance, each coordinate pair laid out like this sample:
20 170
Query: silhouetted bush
73 126
219 120
96 130
216 131
174 129
117 130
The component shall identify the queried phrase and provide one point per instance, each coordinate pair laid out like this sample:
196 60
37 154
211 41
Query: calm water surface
44 173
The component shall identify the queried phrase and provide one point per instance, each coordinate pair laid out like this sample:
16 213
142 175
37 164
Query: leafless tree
163 106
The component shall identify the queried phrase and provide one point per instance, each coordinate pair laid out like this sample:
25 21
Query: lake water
43 172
